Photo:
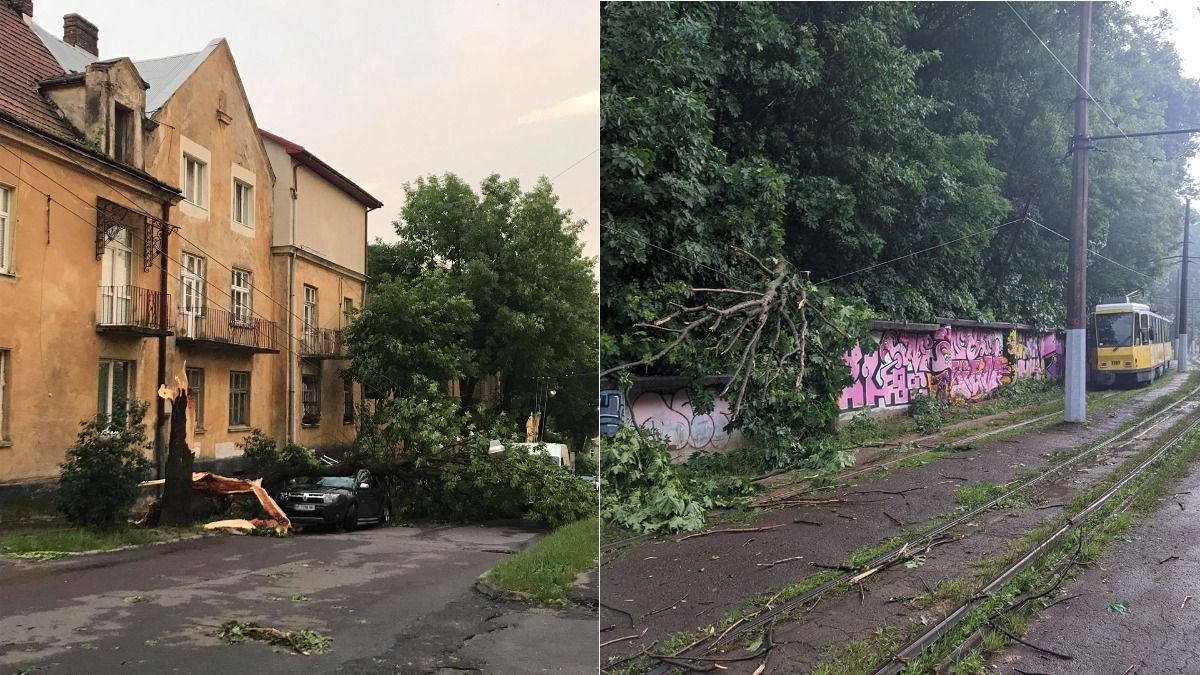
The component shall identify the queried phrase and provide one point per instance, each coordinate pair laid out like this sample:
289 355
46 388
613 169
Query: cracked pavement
394 600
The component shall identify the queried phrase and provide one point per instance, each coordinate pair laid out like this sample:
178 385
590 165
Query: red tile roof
24 62
297 152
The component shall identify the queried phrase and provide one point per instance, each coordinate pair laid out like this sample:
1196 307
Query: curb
494 592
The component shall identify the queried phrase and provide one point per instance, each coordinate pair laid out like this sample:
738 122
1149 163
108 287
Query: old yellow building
138 240
321 248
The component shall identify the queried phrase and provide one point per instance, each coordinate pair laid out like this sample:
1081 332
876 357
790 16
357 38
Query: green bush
926 412
97 487
261 455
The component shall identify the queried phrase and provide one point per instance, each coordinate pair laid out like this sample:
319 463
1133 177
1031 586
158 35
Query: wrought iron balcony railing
218 328
132 310
322 343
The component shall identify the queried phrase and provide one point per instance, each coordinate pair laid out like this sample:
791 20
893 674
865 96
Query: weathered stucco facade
320 251
165 150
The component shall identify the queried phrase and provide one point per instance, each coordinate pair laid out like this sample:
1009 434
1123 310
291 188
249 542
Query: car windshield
1114 330
326 481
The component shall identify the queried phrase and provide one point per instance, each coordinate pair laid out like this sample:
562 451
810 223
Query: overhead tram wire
1091 252
1067 70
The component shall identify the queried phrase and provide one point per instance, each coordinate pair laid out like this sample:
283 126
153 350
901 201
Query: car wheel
385 514
351 520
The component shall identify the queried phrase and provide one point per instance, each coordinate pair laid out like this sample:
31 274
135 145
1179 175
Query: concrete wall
955 361
330 223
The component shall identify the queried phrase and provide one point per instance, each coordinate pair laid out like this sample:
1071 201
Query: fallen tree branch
731 530
772 564
623 639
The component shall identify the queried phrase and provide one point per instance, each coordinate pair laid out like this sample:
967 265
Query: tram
1130 344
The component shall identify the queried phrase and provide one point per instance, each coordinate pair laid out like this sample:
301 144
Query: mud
697 581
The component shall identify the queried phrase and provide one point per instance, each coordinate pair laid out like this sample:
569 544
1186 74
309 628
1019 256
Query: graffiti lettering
671 415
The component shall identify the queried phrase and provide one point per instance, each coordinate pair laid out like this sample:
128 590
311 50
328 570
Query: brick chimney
82 33
22 7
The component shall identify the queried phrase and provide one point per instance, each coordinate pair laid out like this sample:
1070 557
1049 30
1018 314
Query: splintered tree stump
177 492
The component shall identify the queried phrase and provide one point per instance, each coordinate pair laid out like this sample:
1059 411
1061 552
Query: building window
347 400
310 309
195 378
6 234
239 297
116 275
243 203
191 280
4 395
116 378
123 134
195 181
310 397
239 398
347 311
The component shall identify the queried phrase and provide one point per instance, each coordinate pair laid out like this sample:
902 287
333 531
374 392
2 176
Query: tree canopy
482 284
905 155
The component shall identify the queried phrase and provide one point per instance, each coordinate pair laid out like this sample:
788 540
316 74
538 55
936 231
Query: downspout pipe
292 365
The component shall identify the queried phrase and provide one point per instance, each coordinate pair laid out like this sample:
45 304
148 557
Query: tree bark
177 493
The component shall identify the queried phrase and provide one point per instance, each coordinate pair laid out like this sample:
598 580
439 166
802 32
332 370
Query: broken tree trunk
177 492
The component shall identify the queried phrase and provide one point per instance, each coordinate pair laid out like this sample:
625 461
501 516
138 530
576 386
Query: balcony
322 343
218 329
129 310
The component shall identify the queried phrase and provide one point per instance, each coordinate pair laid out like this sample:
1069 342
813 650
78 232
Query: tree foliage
484 283
898 153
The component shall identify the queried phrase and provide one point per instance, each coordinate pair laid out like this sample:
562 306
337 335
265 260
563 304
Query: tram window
1114 330
1144 325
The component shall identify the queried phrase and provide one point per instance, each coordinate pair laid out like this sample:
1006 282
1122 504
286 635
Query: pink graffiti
671 415
953 363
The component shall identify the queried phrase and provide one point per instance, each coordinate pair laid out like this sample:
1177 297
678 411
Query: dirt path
676 585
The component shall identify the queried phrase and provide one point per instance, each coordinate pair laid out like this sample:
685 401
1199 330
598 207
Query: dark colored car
339 501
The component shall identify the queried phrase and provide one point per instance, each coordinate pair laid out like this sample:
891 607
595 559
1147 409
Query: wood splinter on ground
1185 601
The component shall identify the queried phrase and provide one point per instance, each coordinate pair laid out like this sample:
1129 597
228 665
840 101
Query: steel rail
914 649
917 543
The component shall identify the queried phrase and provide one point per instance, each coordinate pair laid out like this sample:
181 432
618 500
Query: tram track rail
925 541
928 638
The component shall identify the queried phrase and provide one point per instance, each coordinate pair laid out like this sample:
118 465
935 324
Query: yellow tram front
1132 345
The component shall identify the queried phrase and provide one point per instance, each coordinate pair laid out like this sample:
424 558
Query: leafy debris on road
304 642
1121 607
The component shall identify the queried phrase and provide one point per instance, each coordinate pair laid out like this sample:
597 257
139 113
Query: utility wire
1091 252
632 237
1066 69
924 250
577 163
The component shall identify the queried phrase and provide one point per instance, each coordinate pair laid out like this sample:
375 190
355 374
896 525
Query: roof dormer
106 103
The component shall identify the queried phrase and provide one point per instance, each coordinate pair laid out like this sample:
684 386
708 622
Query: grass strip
546 570
59 542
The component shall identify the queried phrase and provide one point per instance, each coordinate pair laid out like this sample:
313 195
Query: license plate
306 507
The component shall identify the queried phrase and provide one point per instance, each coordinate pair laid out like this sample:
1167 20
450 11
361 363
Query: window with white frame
243 203
239 398
116 380
191 280
310 309
195 181
239 297
347 311
6 229
4 395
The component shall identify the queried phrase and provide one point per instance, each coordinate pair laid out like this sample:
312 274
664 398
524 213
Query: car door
370 498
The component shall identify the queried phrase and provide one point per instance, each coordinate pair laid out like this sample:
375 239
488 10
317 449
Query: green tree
482 284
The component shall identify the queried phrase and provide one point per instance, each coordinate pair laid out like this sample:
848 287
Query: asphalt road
1136 610
394 600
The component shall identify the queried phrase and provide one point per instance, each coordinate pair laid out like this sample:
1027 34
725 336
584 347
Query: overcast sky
388 91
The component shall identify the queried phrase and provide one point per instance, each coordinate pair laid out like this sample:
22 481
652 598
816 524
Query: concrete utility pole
1181 354
1075 405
